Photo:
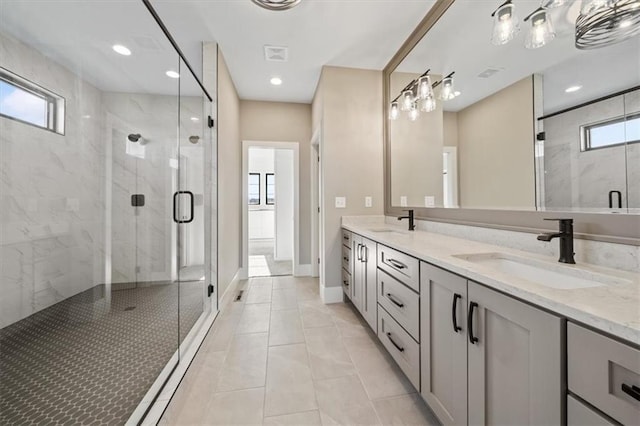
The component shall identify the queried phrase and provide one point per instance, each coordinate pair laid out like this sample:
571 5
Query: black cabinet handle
398 347
395 302
397 264
454 311
346 259
346 283
472 338
632 391
346 237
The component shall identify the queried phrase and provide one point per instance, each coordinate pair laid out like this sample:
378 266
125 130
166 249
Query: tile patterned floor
82 361
262 263
281 357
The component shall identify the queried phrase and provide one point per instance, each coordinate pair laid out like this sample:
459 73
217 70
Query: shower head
194 139
134 137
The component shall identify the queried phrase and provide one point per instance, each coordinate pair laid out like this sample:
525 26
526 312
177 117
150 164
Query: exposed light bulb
394 111
414 113
505 24
541 31
424 87
407 100
429 104
446 92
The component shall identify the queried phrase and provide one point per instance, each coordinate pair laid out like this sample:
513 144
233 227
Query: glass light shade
414 113
406 100
590 6
446 92
550 4
505 25
428 104
424 87
541 31
394 111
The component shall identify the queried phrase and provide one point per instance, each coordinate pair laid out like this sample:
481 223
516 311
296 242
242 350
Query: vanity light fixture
406 101
541 31
447 92
424 88
429 104
394 111
414 113
172 74
550 4
276 4
505 23
606 22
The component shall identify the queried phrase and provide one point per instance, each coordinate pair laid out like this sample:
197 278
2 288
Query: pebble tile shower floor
78 362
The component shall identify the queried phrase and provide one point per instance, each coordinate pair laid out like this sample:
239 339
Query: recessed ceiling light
123 50
276 81
172 74
194 119
572 89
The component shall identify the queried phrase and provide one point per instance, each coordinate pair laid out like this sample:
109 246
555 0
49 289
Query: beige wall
450 124
229 178
348 106
495 150
284 122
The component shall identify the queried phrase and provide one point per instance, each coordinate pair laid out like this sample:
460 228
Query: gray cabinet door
369 284
515 373
357 267
443 350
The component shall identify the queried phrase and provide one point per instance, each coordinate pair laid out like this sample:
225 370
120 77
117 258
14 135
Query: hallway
281 356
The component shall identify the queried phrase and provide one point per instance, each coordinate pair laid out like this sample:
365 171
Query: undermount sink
387 231
543 273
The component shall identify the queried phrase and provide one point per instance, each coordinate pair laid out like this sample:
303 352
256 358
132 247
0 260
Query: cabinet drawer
599 368
399 265
404 350
346 238
346 283
346 258
579 414
401 302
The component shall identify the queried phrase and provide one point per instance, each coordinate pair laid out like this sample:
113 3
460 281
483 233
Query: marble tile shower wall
584 179
51 193
55 215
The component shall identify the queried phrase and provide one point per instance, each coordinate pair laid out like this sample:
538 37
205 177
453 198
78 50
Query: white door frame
295 147
316 192
452 171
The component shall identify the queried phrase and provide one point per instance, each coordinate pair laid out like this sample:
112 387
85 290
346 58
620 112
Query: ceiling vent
489 72
276 53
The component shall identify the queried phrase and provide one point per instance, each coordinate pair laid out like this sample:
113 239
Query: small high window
254 189
611 133
271 188
27 102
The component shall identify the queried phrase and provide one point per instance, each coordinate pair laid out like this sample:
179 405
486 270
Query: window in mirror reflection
611 133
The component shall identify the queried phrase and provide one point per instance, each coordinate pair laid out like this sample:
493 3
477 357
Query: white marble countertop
612 308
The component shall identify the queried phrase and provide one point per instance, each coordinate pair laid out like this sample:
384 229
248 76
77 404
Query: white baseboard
231 289
331 294
302 270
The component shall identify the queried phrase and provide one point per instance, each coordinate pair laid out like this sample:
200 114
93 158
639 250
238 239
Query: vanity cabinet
363 282
347 263
481 348
605 373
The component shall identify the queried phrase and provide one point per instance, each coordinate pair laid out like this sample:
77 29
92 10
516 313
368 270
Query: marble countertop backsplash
614 308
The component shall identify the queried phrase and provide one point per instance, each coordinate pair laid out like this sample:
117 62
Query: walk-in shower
106 211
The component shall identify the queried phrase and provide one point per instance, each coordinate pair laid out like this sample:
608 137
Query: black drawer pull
632 391
398 347
346 237
346 283
397 264
454 312
472 338
346 259
395 302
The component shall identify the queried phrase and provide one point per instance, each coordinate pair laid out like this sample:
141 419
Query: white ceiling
461 42
348 33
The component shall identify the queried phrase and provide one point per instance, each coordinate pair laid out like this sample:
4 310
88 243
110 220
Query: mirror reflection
527 119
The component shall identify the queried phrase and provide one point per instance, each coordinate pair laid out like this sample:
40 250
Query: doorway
270 208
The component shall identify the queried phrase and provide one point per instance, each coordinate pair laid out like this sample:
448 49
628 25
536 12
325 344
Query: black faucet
412 225
566 240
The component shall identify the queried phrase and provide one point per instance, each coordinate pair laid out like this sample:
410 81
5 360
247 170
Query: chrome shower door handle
191 206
